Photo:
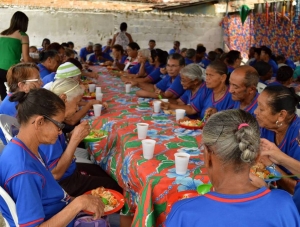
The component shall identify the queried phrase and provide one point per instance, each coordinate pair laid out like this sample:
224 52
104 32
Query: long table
147 184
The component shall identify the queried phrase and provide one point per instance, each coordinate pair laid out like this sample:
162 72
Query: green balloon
244 11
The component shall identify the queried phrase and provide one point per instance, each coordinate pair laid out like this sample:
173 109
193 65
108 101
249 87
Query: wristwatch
273 166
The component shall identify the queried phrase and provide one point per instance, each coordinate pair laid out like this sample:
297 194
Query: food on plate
112 202
111 67
259 169
191 123
171 112
92 94
94 133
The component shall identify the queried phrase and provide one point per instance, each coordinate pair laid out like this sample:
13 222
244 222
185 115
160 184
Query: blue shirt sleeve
176 87
185 97
154 76
49 78
164 83
172 51
82 53
92 58
135 69
107 56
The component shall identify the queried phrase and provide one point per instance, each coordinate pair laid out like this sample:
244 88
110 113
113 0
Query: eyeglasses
172 66
58 124
32 80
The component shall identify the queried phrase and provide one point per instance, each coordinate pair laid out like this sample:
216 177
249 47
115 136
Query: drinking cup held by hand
97 109
99 96
92 87
179 114
142 129
148 148
181 163
98 90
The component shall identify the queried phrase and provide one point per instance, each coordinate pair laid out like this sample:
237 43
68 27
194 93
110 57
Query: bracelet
273 166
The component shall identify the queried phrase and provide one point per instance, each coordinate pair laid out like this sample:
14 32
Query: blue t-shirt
49 78
93 58
224 103
135 69
289 144
230 69
53 152
274 67
83 53
43 70
109 50
175 87
204 63
173 51
9 108
290 63
275 83
196 100
262 207
296 196
251 108
154 76
30 184
188 61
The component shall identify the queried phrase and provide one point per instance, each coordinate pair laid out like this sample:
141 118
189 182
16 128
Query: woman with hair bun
231 141
24 173
276 115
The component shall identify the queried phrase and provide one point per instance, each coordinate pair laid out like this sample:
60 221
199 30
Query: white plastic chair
11 206
260 87
8 125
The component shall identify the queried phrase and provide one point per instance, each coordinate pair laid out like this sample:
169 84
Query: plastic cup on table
181 163
98 90
127 88
97 109
92 87
179 114
99 96
142 129
148 148
156 106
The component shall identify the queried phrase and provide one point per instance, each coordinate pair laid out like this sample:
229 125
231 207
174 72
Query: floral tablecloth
146 183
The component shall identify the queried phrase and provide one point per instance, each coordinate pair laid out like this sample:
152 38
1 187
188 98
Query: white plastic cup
92 87
179 114
181 163
98 90
165 100
99 96
97 109
127 88
156 106
142 129
148 148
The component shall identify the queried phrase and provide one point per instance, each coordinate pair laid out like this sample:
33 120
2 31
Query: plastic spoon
204 188
286 176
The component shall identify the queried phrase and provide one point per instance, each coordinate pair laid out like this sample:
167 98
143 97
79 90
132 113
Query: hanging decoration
244 11
227 2
267 13
283 8
291 9
275 12
297 12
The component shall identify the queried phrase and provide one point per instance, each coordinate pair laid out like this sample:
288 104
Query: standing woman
14 42
122 38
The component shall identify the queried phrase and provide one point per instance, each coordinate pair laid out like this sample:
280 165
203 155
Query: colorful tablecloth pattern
146 183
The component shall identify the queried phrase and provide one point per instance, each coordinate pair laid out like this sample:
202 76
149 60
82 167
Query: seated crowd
243 126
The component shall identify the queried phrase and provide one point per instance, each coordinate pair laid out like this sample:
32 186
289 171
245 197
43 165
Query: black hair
219 66
178 57
75 62
267 50
284 73
46 40
282 98
220 50
70 43
31 103
44 55
280 58
134 46
19 21
177 42
65 45
262 68
55 46
258 51
201 49
232 56
118 48
152 41
190 53
162 56
212 55
123 26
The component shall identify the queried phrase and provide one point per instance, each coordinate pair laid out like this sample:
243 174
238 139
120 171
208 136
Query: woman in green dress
14 43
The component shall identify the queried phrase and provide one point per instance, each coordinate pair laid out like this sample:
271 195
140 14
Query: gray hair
89 44
192 71
145 53
70 87
190 53
233 144
251 78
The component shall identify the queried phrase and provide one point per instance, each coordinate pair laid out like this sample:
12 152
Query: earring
278 124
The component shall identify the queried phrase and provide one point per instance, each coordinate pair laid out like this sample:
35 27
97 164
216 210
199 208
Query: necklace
220 94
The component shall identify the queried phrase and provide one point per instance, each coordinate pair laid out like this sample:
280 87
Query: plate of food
170 112
112 199
179 196
191 124
89 95
266 173
95 135
144 100
143 108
